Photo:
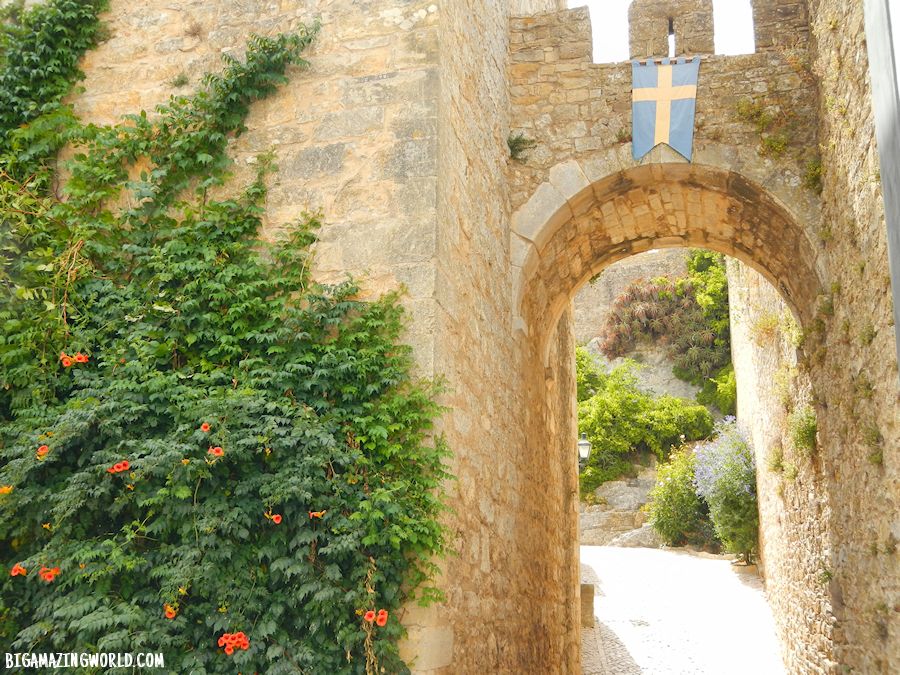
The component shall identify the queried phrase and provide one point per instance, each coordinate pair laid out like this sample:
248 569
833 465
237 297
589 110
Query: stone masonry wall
851 353
354 136
499 618
357 135
649 25
830 545
397 132
795 551
574 108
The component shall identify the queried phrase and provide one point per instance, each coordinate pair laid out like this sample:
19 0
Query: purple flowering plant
725 477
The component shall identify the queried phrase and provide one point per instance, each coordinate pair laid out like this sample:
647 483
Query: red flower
276 519
382 617
204 427
234 640
170 611
48 574
67 362
125 465
216 451
117 467
111 469
81 358
63 355
370 616
17 570
42 451
316 514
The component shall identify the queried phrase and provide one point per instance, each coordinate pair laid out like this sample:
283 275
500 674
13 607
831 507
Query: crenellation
689 22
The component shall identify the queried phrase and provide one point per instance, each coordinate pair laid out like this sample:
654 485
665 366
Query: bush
725 477
720 391
669 420
689 315
675 510
621 421
589 378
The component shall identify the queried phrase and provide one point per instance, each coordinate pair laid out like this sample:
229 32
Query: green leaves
621 421
187 318
689 315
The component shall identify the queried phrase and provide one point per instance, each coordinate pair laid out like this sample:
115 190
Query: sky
609 19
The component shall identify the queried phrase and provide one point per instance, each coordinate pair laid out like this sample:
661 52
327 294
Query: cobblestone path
661 612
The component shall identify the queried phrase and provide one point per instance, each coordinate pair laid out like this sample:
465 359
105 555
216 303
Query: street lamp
584 451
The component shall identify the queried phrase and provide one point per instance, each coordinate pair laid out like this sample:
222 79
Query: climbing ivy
195 438
39 53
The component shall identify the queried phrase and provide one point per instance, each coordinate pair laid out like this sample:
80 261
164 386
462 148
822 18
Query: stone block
587 606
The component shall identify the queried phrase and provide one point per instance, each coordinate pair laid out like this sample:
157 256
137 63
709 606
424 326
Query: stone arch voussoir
588 214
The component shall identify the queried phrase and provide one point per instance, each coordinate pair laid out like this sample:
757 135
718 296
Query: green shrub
519 144
812 176
675 511
802 427
688 315
720 391
621 421
589 379
669 420
725 477
196 435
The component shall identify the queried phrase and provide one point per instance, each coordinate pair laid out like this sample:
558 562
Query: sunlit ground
663 612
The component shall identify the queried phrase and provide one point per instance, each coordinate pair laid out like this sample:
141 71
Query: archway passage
575 225
649 207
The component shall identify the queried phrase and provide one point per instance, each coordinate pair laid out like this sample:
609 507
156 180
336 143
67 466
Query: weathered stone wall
852 361
781 25
580 203
594 300
398 93
398 133
512 596
355 135
795 551
574 108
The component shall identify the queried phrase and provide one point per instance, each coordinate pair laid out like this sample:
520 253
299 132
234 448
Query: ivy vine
202 452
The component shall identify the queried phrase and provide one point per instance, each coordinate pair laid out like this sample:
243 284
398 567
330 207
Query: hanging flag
664 101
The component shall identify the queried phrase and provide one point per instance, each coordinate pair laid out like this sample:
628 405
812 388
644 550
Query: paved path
662 612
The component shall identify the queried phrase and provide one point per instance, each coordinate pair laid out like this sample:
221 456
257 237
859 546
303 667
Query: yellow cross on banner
663 94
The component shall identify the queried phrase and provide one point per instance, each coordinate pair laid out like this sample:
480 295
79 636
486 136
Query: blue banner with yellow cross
664 102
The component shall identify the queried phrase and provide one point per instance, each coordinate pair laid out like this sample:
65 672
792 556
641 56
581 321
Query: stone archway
575 225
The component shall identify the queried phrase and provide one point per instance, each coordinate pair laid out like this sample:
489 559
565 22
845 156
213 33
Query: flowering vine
189 325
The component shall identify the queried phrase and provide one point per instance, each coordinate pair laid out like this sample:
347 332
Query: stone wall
795 551
691 23
498 618
580 203
851 357
594 300
398 93
355 135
